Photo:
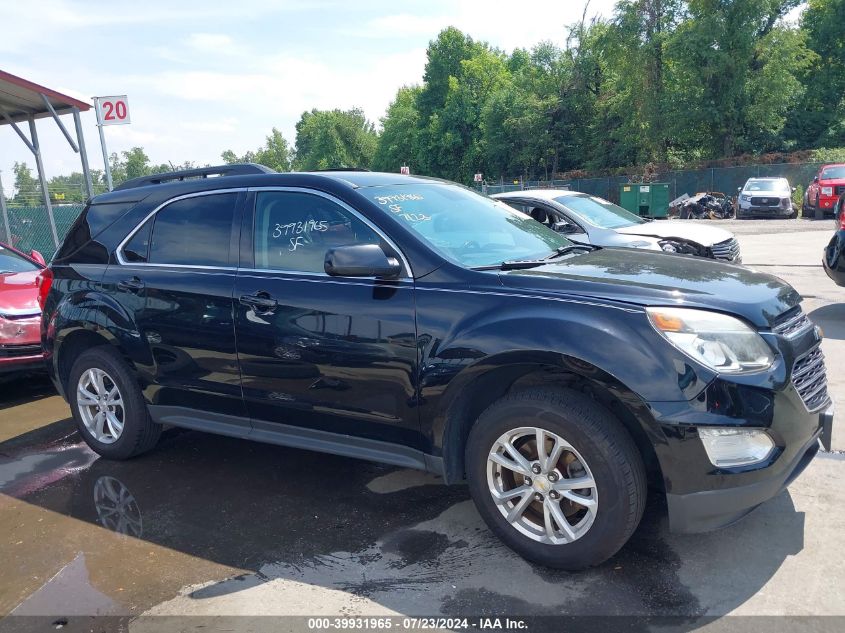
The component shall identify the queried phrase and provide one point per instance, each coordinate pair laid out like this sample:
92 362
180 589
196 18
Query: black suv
412 321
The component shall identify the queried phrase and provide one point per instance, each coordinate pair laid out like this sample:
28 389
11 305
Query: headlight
721 342
827 191
786 202
728 447
745 198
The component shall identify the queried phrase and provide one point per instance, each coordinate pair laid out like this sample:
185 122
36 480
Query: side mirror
38 257
566 228
360 260
793 189
815 178
739 188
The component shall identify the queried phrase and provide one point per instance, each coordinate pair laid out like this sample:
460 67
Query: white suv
766 197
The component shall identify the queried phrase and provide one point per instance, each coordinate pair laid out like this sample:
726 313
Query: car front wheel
556 476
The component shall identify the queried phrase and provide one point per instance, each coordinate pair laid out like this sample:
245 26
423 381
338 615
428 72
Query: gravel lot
209 526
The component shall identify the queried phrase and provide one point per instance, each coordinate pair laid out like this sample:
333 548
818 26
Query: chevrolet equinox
411 321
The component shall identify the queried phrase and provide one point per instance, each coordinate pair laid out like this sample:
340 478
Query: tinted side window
138 247
194 231
294 230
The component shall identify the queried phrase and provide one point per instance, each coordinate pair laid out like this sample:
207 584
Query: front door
326 354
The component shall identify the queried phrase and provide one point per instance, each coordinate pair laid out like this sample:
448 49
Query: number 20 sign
113 110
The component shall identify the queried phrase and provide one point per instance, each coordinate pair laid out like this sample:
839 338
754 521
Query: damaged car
586 219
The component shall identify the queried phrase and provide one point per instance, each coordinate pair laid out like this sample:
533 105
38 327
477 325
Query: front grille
810 379
15 351
765 202
727 250
839 190
791 323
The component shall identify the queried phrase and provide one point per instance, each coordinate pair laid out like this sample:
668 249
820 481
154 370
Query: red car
824 191
20 314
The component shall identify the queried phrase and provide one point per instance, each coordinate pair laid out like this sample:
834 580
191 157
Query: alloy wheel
542 485
100 405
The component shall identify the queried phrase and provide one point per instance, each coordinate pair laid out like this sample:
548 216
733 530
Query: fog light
728 447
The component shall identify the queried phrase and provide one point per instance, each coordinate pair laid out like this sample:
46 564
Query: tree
819 119
135 163
27 188
275 153
327 139
726 52
397 143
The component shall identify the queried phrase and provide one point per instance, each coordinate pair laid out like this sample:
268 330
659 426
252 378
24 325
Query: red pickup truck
822 194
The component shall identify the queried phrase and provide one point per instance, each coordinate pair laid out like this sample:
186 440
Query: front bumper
712 509
766 211
22 364
701 496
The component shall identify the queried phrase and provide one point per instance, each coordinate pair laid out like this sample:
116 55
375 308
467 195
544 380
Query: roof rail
239 169
339 169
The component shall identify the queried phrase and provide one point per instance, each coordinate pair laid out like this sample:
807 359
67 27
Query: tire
603 452
138 433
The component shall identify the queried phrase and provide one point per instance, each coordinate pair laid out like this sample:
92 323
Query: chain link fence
723 179
29 227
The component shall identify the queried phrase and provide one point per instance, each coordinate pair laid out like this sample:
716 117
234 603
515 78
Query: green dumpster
649 200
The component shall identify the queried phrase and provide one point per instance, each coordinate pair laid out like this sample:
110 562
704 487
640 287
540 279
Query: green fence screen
724 179
30 227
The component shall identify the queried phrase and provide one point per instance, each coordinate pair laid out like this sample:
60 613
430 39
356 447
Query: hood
767 193
703 234
832 181
19 293
648 278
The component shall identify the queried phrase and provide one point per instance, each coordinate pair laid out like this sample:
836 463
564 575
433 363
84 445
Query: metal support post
8 235
43 179
103 142
83 153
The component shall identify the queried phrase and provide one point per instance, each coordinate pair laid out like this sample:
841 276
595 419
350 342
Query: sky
203 77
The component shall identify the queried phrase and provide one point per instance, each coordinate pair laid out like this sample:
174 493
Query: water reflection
117 509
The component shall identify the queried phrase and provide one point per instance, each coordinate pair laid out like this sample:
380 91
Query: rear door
319 353
176 276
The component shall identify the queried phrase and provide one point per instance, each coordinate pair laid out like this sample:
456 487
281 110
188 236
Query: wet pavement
208 526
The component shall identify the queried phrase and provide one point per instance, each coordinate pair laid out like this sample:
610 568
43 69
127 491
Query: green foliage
397 144
134 164
327 139
798 196
27 188
828 155
275 154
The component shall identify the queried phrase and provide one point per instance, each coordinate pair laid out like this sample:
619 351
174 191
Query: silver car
586 219
766 197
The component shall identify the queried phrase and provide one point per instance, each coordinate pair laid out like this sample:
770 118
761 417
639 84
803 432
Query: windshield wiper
522 264
563 250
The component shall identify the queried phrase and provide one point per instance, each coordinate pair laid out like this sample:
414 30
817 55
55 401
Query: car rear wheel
556 476
108 406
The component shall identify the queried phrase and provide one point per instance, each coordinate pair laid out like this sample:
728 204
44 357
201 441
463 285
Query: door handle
260 301
132 285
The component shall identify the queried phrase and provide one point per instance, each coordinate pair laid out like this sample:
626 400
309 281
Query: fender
603 343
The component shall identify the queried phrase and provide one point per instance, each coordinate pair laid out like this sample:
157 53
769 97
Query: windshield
767 185
829 173
465 227
11 262
598 212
